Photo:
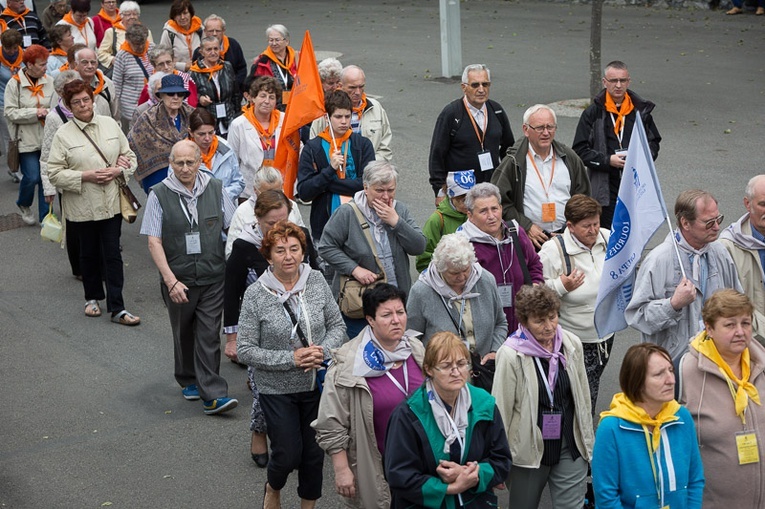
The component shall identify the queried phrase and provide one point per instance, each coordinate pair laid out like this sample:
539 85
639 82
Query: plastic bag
51 227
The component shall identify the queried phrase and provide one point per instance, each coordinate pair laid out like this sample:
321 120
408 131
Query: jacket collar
756 356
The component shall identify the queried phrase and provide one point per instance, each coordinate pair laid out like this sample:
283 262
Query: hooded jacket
445 220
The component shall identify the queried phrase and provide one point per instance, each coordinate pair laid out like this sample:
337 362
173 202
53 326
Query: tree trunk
595 44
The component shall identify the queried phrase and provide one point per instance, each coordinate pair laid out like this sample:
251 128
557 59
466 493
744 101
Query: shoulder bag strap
520 255
143 68
368 234
18 89
564 254
449 312
120 178
295 322
114 41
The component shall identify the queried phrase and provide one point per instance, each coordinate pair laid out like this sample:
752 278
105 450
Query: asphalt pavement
91 415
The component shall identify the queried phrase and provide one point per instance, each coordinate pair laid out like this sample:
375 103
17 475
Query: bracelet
171 288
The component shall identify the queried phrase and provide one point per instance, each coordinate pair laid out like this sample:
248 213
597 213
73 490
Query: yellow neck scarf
706 346
625 409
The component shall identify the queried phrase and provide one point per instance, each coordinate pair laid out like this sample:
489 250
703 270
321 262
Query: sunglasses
714 221
484 84
174 94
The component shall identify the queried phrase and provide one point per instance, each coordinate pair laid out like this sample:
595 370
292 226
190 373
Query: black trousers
293 441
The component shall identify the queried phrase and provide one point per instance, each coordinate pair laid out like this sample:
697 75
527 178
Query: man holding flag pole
664 300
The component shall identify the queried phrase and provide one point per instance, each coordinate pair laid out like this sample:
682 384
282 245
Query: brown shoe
735 10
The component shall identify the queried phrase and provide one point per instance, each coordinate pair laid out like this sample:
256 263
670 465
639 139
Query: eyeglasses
709 224
186 164
476 84
275 40
174 94
88 62
81 102
460 366
616 81
541 128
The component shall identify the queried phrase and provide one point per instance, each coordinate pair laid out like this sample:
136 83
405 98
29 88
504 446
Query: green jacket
443 221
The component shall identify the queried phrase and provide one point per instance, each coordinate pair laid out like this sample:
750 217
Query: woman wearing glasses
446 445
543 396
278 60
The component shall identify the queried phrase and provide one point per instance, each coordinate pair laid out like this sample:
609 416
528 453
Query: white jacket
245 141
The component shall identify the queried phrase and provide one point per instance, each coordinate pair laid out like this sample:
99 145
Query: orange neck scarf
101 83
65 67
289 65
116 19
188 33
360 110
210 155
119 26
16 64
324 135
206 70
58 52
80 27
625 109
266 135
127 47
224 47
18 17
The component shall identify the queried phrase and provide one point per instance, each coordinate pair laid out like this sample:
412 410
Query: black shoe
261 460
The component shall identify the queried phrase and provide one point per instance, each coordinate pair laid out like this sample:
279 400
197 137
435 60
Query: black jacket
235 56
229 91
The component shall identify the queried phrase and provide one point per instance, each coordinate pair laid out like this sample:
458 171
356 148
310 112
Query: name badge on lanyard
220 110
552 421
404 390
746 446
484 159
193 243
26 40
506 294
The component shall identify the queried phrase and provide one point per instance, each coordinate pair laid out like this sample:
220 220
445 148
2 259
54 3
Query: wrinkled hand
230 350
308 358
364 276
685 293
386 212
537 236
123 162
204 100
467 478
344 483
42 112
617 160
488 357
573 280
448 471
178 293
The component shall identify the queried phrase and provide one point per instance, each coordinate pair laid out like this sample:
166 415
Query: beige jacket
71 154
517 394
345 421
21 110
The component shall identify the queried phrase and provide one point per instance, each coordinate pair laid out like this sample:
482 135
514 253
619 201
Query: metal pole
451 38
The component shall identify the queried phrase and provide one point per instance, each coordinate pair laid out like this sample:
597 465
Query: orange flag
306 104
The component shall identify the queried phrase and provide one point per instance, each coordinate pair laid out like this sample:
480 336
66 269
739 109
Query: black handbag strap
451 317
143 68
366 229
519 252
295 322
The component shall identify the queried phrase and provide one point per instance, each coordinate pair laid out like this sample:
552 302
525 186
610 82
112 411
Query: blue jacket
226 169
621 469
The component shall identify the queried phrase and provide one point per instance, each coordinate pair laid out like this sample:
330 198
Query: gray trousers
196 339
567 482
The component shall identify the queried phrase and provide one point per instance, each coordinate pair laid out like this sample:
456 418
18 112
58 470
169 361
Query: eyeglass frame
710 223
541 128
476 84
460 366
617 81
187 164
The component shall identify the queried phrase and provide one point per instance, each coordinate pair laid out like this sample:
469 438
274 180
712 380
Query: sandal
126 318
92 309
735 10
760 11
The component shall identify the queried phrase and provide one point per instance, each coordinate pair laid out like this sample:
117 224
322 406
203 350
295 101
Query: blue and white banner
639 212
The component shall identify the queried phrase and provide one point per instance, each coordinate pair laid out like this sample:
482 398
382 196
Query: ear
746 203
464 86
370 320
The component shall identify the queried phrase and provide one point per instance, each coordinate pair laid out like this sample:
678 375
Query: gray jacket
344 246
264 335
426 313
650 312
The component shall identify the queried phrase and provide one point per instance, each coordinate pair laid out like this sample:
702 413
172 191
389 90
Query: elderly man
16 15
114 36
604 132
539 176
107 103
189 256
230 49
665 306
471 133
745 241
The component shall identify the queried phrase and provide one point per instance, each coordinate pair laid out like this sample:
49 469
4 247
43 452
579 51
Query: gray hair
197 151
130 6
686 204
278 28
379 172
209 38
749 192
482 190
351 68
79 52
454 251
159 50
63 78
536 108
475 68
329 68
155 80
137 34
615 64
267 175
215 17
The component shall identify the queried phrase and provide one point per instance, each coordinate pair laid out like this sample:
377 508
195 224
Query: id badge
26 41
506 295
551 425
548 212
220 110
746 445
193 243
484 159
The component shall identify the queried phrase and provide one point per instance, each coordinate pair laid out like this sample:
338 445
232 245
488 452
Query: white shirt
478 115
535 193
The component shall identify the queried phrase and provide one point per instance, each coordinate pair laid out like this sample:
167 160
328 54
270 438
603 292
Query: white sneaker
27 216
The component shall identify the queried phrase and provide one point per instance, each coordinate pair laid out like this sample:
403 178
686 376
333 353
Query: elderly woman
371 375
646 451
331 167
572 264
243 268
446 445
267 178
131 70
450 213
289 323
113 37
183 33
217 155
156 131
504 250
61 40
87 157
53 14
27 99
278 60
330 74
387 224
161 58
106 18
11 58
255 134
217 88
542 392
80 24
454 293
721 377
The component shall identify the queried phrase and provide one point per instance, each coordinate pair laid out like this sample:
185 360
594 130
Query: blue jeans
30 169
740 3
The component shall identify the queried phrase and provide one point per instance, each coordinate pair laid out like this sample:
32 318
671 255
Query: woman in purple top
502 249
371 375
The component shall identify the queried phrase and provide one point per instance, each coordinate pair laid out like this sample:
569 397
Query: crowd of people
481 373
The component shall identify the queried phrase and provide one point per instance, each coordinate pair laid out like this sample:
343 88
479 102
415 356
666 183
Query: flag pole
674 243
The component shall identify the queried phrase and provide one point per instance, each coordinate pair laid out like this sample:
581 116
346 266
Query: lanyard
504 270
406 380
282 75
658 481
619 136
547 384
482 134
546 189
186 211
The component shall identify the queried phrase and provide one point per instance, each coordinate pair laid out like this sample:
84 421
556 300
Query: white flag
639 212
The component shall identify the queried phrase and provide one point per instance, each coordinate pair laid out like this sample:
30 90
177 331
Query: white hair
267 175
215 17
482 190
330 67
749 192
536 108
379 172
155 80
278 28
454 251
130 6
475 68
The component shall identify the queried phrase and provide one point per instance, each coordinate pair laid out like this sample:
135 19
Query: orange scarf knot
16 64
207 158
197 67
621 112
363 106
290 65
117 18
